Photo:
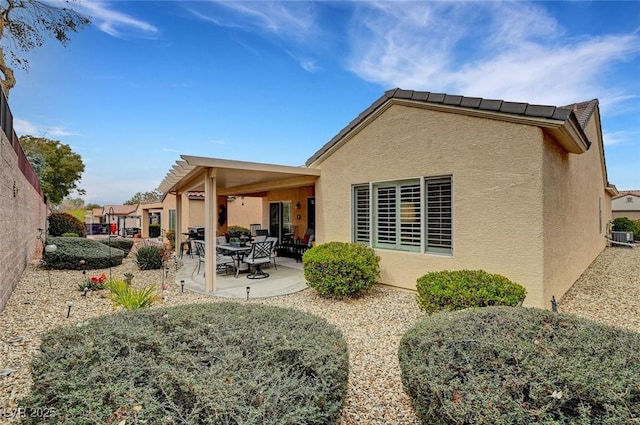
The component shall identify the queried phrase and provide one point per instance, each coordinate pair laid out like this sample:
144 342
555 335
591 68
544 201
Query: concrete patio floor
287 279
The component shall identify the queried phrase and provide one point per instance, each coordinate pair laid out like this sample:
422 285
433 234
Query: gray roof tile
471 102
490 104
541 111
452 100
513 107
435 97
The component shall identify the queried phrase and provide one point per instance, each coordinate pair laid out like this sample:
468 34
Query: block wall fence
22 212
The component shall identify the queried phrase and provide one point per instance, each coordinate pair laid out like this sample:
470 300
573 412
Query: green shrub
154 230
61 223
70 235
149 257
71 251
222 363
129 297
238 231
339 269
625 224
456 290
505 365
121 243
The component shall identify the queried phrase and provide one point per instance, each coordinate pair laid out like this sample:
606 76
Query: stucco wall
576 212
633 215
20 217
497 191
293 195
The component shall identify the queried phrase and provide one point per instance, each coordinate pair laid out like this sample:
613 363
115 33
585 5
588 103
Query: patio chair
260 238
274 244
223 262
259 255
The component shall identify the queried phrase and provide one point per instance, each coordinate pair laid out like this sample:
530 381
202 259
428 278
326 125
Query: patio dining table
237 252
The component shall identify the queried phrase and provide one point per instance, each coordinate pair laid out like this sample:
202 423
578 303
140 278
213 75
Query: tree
24 25
145 197
62 169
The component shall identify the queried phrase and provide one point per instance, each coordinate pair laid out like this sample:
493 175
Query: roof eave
566 132
571 137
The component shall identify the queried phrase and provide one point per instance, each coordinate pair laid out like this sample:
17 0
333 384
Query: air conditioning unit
622 236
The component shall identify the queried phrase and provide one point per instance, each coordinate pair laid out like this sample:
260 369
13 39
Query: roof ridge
562 113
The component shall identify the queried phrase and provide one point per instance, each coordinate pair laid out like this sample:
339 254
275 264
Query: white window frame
373 222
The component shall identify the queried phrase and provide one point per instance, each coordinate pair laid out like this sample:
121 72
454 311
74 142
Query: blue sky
273 81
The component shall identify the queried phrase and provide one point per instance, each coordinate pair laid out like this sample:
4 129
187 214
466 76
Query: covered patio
288 279
219 178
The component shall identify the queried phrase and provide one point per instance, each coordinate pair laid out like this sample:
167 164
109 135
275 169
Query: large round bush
223 363
339 269
122 244
61 223
80 254
512 365
460 289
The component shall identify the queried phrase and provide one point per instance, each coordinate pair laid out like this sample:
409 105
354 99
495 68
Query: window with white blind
408 215
361 217
439 217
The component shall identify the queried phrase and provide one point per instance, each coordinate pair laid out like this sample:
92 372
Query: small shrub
130 298
122 244
625 224
149 257
61 223
70 235
456 290
238 231
222 363
94 283
80 254
154 230
339 269
505 365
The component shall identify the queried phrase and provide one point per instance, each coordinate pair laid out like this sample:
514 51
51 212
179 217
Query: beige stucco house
626 204
439 182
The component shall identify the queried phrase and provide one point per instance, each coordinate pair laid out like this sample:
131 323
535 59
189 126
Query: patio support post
179 230
210 227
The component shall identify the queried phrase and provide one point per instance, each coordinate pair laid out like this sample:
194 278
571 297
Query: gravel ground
609 290
372 325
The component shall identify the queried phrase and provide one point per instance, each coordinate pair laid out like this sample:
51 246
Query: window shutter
386 215
410 216
362 210
439 214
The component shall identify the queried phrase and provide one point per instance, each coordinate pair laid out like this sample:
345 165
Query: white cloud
24 127
113 22
618 137
217 142
291 19
510 51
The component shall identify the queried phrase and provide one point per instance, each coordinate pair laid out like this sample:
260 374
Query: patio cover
227 177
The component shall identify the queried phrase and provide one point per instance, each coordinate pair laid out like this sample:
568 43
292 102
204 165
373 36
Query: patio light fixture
248 290
69 305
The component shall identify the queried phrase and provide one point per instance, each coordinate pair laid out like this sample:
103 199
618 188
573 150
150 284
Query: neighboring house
439 182
122 220
626 204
